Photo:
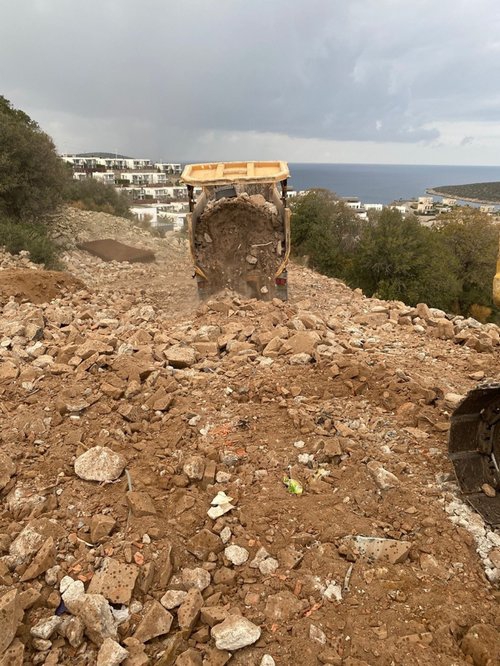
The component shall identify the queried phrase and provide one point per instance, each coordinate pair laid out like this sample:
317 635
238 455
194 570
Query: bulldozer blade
474 449
487 507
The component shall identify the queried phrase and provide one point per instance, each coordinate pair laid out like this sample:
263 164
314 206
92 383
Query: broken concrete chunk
234 633
99 464
43 560
8 370
140 504
303 342
268 566
96 614
190 657
282 606
26 544
180 357
72 592
11 615
14 655
236 554
74 631
378 549
173 598
92 609
289 557
382 477
45 628
115 581
189 611
198 578
260 556
111 653
101 526
7 469
213 615
204 543
267 660
194 467
155 622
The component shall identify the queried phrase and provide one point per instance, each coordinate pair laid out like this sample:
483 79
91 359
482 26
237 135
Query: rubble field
237 481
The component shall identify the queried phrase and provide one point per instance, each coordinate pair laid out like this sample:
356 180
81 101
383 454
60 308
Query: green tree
32 176
472 237
325 231
398 258
93 195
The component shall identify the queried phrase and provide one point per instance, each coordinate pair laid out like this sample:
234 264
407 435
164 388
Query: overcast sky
380 81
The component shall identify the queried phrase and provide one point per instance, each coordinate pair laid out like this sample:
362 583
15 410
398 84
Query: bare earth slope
346 395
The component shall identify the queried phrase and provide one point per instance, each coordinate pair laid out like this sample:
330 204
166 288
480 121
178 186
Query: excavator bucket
474 449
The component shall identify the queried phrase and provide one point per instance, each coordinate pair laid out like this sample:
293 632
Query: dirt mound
112 250
36 286
239 242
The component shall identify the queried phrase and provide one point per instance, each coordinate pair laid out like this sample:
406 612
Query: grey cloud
164 72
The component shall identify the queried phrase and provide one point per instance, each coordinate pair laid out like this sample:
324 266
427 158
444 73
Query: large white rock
234 633
236 555
99 464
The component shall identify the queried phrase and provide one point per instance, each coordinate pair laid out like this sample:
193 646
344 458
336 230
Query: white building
168 167
107 177
158 192
143 177
425 205
146 214
352 202
402 208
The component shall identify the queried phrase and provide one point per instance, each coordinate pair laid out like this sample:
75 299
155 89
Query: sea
385 183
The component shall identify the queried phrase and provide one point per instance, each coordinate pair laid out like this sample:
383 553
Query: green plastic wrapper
294 486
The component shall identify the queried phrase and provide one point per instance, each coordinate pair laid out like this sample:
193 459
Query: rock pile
143 454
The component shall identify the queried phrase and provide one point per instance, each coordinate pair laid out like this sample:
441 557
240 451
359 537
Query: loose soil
36 286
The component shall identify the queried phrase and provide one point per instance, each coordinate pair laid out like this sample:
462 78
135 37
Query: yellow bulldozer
474 442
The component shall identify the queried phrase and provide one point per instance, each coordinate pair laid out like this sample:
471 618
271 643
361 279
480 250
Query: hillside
488 193
127 407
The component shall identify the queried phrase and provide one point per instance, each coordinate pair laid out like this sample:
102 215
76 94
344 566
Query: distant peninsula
485 193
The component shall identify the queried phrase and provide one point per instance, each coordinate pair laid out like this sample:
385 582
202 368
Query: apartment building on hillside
98 163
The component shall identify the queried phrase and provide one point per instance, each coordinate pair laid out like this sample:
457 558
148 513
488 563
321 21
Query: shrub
17 236
32 175
90 194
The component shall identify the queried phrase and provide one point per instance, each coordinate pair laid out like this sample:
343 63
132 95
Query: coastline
430 190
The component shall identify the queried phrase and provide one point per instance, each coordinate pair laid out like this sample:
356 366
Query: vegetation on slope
34 181
90 194
484 192
32 178
449 266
